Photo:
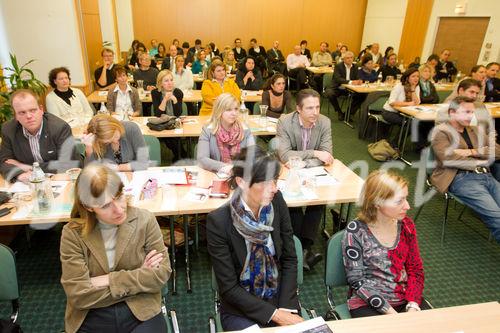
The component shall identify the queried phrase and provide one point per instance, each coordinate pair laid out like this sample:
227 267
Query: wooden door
464 37
92 33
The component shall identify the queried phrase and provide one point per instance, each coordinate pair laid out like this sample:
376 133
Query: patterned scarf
228 142
260 272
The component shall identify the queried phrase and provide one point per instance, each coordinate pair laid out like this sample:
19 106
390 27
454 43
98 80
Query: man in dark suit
34 136
169 61
230 236
193 51
445 69
239 52
345 73
275 59
307 134
492 85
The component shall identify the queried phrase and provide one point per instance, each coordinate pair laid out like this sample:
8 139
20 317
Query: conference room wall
107 16
480 8
222 21
123 10
46 31
384 23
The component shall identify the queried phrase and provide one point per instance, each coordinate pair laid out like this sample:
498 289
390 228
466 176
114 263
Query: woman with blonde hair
223 137
381 254
217 83
117 143
114 262
230 61
166 98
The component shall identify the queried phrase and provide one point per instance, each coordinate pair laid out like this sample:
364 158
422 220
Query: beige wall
222 21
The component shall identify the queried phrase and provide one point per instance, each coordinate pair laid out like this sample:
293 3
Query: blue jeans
481 192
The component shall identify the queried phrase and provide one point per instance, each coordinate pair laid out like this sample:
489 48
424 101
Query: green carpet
464 270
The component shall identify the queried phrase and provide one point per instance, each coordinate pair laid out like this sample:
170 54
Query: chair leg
366 127
445 219
376 130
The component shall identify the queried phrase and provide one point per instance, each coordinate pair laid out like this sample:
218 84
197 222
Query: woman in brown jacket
114 261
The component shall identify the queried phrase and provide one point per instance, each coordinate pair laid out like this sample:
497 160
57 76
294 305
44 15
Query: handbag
382 151
162 123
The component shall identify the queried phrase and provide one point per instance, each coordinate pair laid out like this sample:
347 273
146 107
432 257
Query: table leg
186 249
173 259
196 233
348 113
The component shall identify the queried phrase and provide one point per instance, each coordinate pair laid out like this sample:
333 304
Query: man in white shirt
169 61
296 64
376 55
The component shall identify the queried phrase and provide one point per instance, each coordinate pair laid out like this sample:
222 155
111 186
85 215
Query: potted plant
19 77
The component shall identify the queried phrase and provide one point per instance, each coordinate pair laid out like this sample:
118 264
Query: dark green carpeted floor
465 270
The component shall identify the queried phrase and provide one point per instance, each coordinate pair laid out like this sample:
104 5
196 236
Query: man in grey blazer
34 136
306 133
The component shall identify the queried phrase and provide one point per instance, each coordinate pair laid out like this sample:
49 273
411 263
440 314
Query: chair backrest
443 95
154 149
335 271
256 108
378 105
184 109
9 289
327 81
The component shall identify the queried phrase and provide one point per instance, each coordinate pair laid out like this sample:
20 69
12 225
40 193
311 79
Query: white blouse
398 95
77 114
184 81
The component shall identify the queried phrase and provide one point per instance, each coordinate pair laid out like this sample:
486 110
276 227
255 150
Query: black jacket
492 93
157 97
228 252
432 98
55 133
241 55
340 74
450 71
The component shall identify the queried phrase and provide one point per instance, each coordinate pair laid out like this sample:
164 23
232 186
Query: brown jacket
445 139
83 258
134 100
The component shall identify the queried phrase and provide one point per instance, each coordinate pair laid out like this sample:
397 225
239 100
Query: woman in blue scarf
250 241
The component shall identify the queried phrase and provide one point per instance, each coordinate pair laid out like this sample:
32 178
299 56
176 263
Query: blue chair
9 288
154 149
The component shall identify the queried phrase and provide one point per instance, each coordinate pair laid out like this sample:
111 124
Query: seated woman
278 100
248 76
183 77
134 59
366 73
114 262
69 104
381 255
230 61
216 84
405 93
166 98
250 242
117 143
123 101
209 52
428 95
162 53
223 137
200 63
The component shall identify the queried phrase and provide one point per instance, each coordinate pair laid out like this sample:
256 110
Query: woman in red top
381 255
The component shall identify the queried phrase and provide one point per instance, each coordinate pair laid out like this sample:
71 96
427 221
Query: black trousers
300 75
305 224
334 94
367 311
118 318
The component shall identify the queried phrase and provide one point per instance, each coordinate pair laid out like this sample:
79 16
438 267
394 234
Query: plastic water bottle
243 109
42 196
102 109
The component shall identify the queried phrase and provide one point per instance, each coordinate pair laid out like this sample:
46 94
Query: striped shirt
306 134
34 141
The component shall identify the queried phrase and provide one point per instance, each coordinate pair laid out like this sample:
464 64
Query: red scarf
228 142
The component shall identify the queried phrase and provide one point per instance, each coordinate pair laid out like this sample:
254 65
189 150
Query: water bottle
102 109
243 110
204 70
42 196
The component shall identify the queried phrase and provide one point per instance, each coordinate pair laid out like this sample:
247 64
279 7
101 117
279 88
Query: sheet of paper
327 180
313 172
252 329
18 187
316 325
197 194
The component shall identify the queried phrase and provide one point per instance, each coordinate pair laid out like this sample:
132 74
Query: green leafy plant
19 77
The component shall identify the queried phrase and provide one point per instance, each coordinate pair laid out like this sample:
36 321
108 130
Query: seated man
492 89
296 64
169 61
147 74
390 69
337 53
104 76
275 59
345 72
34 136
445 69
463 156
154 48
377 57
239 52
319 59
306 133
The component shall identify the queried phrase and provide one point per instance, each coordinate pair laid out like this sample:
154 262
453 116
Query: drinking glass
263 115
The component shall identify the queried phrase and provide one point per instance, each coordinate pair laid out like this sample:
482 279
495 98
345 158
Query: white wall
384 21
489 8
107 25
43 30
125 23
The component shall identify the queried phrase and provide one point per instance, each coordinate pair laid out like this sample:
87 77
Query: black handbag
158 125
